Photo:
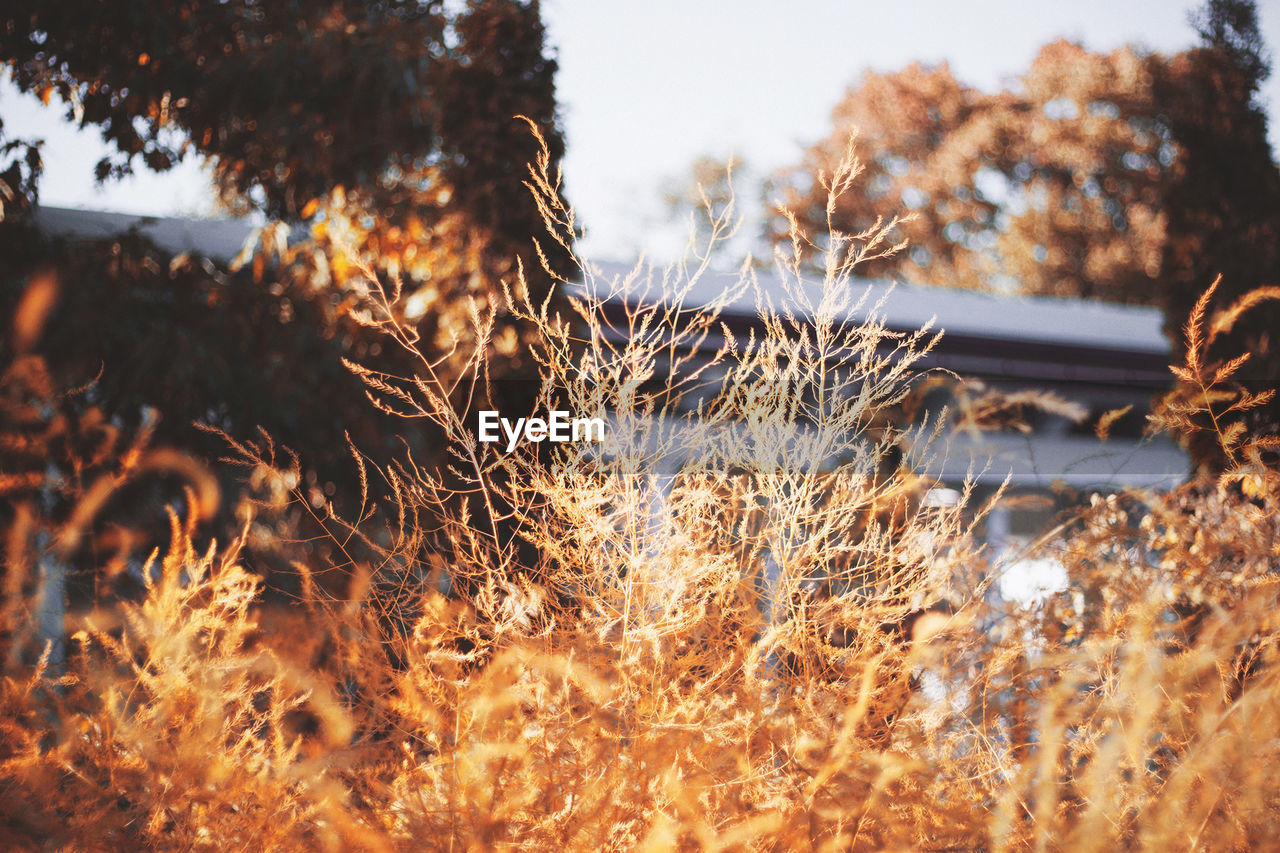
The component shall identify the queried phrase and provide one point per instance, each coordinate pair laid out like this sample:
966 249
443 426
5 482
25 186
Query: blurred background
646 90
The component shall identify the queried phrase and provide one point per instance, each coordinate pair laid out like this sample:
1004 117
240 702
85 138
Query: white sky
647 87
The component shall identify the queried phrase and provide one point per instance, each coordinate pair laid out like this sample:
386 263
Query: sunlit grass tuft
735 624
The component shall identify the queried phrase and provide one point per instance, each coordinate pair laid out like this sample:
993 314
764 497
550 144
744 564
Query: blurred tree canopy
1126 177
1052 190
387 126
382 135
1223 204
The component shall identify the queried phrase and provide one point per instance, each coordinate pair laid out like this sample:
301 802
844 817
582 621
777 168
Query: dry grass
742 630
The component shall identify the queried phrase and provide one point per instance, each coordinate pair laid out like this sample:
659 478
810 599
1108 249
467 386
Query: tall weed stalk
736 623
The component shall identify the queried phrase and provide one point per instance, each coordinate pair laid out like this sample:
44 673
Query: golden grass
774 644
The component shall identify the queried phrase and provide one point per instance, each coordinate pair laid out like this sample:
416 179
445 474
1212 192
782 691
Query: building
1100 356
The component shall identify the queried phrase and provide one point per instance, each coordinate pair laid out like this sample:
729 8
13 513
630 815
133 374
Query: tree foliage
389 127
1126 176
385 139
1053 189
1224 202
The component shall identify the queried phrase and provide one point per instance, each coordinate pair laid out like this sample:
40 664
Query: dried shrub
735 624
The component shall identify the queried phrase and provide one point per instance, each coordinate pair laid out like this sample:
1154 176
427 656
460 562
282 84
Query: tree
20 167
391 124
1126 177
1223 204
385 131
1051 190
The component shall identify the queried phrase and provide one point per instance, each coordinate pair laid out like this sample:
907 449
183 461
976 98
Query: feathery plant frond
736 623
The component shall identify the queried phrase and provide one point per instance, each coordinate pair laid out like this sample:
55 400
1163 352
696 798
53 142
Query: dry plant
736 623
1143 711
